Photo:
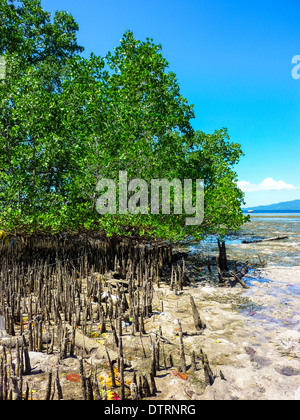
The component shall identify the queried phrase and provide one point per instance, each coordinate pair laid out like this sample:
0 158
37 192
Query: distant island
284 206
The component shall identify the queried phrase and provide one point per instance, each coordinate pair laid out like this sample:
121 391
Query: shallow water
280 253
278 290
278 297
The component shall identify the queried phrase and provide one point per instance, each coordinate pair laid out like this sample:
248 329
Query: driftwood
231 278
277 238
236 276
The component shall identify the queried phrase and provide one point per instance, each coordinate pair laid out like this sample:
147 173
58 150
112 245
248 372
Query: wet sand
267 341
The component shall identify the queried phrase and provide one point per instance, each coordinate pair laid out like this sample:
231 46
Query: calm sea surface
263 225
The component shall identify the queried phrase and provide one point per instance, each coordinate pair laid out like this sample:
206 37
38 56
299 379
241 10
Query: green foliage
66 122
27 30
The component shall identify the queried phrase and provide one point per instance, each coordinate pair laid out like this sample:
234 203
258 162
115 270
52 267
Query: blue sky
233 60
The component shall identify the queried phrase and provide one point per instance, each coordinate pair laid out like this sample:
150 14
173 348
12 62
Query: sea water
261 226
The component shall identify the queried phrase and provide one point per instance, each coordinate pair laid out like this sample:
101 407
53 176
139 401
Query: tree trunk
222 260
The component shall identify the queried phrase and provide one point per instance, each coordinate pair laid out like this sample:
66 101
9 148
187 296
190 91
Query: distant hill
287 205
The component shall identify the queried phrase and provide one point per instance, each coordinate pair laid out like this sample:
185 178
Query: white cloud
267 184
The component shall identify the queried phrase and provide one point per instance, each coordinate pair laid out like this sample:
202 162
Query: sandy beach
268 338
